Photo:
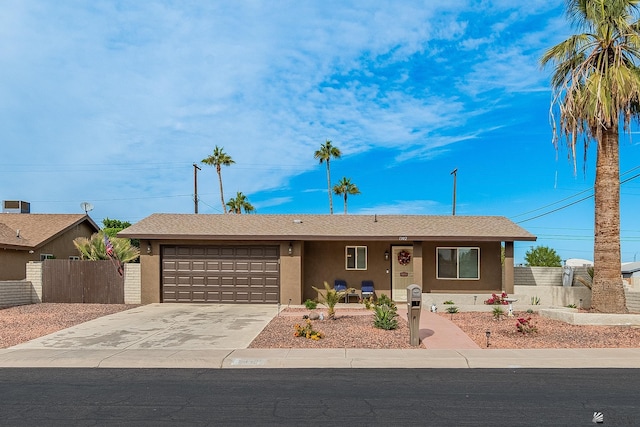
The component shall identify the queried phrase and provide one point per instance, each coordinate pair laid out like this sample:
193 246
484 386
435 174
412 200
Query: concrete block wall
15 292
633 300
132 284
537 276
34 275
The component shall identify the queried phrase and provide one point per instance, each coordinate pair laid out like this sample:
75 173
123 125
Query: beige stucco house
28 237
278 258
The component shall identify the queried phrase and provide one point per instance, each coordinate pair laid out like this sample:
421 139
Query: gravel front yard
351 329
26 322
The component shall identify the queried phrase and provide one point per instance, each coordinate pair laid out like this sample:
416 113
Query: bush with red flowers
497 299
525 326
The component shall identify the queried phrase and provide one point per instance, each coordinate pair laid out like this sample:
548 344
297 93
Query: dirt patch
26 322
550 333
353 330
350 329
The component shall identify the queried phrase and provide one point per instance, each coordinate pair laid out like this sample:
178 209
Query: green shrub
385 300
310 304
449 302
498 312
452 310
385 317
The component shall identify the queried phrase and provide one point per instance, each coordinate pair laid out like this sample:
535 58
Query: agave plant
385 317
329 297
94 249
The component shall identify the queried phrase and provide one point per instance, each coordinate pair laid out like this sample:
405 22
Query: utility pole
454 173
195 187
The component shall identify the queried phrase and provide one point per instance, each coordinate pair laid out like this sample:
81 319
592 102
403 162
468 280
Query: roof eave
142 236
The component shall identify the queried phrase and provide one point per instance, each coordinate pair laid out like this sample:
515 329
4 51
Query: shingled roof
327 227
36 229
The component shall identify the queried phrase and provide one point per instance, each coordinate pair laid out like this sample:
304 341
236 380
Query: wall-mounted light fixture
148 248
386 255
290 248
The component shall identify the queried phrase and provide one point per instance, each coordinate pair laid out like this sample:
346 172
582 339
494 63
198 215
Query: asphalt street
354 397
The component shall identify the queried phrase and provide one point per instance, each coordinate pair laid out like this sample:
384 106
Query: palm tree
324 154
219 158
345 187
239 204
596 84
94 249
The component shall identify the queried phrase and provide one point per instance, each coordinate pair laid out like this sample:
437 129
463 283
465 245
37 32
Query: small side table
348 296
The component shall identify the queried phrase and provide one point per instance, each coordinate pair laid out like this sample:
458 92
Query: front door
401 271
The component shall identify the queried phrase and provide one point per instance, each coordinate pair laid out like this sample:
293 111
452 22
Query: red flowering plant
525 326
497 299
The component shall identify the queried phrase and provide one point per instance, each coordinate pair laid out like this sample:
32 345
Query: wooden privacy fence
81 281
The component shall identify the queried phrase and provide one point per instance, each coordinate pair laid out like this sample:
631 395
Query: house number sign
402 238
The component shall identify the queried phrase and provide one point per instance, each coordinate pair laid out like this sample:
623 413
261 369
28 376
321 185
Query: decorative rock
314 316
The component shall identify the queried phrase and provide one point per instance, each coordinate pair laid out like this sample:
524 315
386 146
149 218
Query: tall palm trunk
345 202
607 289
329 188
224 208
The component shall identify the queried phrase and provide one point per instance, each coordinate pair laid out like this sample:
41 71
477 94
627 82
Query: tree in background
240 203
596 85
111 227
344 188
542 256
94 249
326 152
218 159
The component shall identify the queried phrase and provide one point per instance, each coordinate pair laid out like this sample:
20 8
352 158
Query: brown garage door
234 274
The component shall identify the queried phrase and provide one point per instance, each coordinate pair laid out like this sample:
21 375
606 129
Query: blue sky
111 102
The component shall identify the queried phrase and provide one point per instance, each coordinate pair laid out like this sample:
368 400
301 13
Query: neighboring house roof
578 262
36 229
630 267
327 227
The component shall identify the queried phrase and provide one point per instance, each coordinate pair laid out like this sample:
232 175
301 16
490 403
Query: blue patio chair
340 285
366 290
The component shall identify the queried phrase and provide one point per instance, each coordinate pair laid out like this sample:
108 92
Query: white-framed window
458 263
46 256
355 257
74 258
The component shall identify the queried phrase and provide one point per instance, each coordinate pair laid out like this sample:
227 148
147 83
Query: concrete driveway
165 326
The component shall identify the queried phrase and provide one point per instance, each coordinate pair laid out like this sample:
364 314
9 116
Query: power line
572 203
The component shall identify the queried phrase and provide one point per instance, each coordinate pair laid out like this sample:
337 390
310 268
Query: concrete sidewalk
332 358
178 336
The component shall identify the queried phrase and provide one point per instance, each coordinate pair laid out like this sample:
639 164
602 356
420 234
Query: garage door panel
227 266
198 266
212 252
242 252
227 251
182 251
241 266
213 266
272 282
247 274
